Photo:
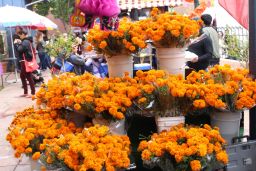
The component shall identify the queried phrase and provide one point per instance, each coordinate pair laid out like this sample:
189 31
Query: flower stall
53 133
84 123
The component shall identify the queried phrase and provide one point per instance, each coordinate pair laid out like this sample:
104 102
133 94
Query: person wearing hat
213 35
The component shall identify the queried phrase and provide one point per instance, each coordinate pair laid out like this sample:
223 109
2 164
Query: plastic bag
116 127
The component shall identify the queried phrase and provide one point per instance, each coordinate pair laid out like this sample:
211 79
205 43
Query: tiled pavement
10 102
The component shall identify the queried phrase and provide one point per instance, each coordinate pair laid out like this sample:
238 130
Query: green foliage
235 48
60 46
61 9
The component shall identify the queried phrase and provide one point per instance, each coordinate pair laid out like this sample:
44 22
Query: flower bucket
171 60
119 64
228 122
35 165
165 123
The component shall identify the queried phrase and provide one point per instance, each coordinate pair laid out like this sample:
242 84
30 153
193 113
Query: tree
61 9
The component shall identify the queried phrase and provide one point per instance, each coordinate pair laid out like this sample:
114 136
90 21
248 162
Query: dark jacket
25 48
204 50
40 47
78 63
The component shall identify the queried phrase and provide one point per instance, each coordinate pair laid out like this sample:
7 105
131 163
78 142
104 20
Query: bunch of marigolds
170 29
94 149
187 148
43 135
127 39
224 88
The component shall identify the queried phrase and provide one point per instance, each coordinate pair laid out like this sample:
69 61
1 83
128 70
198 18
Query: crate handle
236 140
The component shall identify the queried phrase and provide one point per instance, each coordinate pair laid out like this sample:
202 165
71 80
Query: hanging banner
238 9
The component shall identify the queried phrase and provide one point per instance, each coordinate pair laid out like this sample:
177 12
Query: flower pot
35 165
228 122
165 123
119 64
171 60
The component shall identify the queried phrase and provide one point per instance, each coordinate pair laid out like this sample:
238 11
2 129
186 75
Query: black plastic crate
242 156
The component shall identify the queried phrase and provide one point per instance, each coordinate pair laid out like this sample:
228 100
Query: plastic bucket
118 65
171 60
228 122
165 123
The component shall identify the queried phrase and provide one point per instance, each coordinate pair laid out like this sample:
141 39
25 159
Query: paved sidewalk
10 103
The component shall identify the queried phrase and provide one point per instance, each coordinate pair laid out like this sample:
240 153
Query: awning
130 4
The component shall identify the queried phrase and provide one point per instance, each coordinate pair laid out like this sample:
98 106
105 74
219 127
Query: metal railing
233 41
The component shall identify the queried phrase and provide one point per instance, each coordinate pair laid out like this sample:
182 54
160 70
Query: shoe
24 95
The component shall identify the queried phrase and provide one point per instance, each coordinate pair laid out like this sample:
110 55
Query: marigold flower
36 156
103 44
195 165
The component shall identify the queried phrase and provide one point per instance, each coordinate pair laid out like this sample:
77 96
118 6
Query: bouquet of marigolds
127 39
171 29
30 128
223 88
162 94
93 149
109 97
185 148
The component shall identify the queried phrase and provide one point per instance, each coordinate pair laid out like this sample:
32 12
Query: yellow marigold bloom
103 44
43 168
146 155
36 156
195 165
132 48
28 150
222 156
89 48
77 106
199 104
142 100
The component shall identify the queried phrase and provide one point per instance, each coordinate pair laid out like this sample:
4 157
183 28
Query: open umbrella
11 16
43 23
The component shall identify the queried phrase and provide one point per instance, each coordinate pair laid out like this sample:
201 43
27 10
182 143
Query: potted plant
185 148
170 33
226 92
164 96
118 45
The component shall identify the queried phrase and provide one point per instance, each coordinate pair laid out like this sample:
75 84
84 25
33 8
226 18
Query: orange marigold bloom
195 165
77 106
103 44
222 156
36 156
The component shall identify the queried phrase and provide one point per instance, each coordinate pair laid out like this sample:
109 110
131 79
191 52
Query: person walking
25 48
213 35
45 61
